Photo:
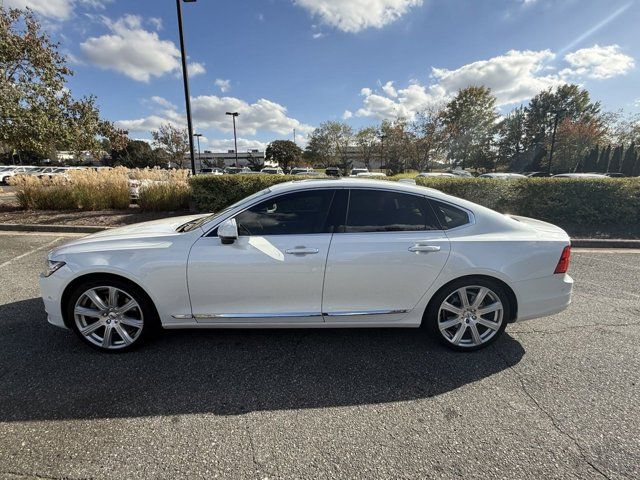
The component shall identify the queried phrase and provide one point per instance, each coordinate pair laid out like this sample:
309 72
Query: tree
255 163
175 143
368 144
139 154
603 160
470 125
427 130
398 143
616 160
629 160
329 144
37 112
574 139
511 141
284 152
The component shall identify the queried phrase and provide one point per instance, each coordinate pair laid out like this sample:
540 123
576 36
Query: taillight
563 263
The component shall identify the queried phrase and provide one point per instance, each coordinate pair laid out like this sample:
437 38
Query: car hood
154 234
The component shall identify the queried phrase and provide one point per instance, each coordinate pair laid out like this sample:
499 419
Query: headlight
52 266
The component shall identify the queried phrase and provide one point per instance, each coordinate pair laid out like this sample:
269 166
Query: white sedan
314 254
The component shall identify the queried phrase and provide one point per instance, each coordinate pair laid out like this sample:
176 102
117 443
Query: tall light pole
185 78
198 135
553 137
235 138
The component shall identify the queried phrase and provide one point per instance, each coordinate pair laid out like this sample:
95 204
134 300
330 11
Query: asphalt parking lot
554 398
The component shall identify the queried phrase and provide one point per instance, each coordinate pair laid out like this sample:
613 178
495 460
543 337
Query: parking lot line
42 247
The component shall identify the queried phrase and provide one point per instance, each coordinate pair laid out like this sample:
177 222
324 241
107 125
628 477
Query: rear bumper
542 297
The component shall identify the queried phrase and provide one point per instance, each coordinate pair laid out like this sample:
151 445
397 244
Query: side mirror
228 231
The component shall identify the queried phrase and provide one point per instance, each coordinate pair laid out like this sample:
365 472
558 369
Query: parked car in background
333 172
314 254
302 171
579 175
615 175
235 170
272 171
212 171
356 171
460 173
436 174
368 174
503 176
310 173
536 174
11 172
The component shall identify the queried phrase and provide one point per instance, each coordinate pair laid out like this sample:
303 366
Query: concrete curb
17 227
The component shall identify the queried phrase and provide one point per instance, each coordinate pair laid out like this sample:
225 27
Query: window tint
380 211
292 214
450 216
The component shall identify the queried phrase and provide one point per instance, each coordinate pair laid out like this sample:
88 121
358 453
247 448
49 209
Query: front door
273 273
391 251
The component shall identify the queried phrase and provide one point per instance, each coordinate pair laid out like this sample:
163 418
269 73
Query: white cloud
134 51
209 112
196 68
54 9
156 22
244 144
355 15
598 62
389 89
317 35
347 114
223 85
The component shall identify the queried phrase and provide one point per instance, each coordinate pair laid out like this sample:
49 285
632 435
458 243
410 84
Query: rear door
389 252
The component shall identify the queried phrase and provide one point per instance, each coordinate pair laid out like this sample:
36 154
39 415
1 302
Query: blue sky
287 64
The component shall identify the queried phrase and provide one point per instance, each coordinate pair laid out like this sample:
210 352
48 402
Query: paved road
555 398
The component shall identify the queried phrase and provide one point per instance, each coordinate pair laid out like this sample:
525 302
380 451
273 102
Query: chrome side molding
356 313
362 312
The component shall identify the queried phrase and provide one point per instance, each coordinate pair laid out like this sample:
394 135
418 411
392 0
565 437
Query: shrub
164 196
212 193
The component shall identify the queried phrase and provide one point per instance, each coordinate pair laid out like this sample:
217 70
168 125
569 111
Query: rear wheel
468 314
110 315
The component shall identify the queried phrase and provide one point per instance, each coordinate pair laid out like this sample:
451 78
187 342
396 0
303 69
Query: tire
446 313
111 315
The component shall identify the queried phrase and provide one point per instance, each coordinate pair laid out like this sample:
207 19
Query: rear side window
383 211
290 214
450 216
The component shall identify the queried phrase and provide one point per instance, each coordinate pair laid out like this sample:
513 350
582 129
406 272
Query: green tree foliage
629 160
512 140
329 145
428 132
37 112
470 125
138 154
284 152
366 139
174 142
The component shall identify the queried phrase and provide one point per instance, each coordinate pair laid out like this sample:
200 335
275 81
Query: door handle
301 251
424 248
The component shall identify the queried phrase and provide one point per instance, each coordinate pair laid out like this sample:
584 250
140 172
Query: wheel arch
513 301
99 276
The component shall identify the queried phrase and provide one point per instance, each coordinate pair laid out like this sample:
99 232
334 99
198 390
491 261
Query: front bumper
51 288
542 297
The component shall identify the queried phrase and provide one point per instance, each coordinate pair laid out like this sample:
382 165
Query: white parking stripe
41 247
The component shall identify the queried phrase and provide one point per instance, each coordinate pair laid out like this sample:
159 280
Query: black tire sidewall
148 311
430 321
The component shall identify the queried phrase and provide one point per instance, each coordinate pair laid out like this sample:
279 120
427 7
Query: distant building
84 157
208 159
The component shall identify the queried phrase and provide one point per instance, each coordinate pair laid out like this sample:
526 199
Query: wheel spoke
123 334
458 336
113 297
95 299
488 323
132 322
464 298
449 323
127 306
106 340
480 297
475 334
89 329
450 308
494 307
87 312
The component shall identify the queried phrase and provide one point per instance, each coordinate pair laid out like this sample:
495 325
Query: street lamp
235 139
553 137
198 135
185 78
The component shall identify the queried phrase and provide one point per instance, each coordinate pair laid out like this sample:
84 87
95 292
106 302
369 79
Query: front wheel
110 315
468 314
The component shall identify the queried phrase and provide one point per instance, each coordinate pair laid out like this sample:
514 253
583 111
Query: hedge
578 205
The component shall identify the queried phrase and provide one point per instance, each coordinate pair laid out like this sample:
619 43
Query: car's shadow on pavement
47 373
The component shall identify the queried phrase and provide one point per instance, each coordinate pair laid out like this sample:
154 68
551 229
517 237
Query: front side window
382 211
291 214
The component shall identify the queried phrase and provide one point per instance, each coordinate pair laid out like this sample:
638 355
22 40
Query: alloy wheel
108 317
470 316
